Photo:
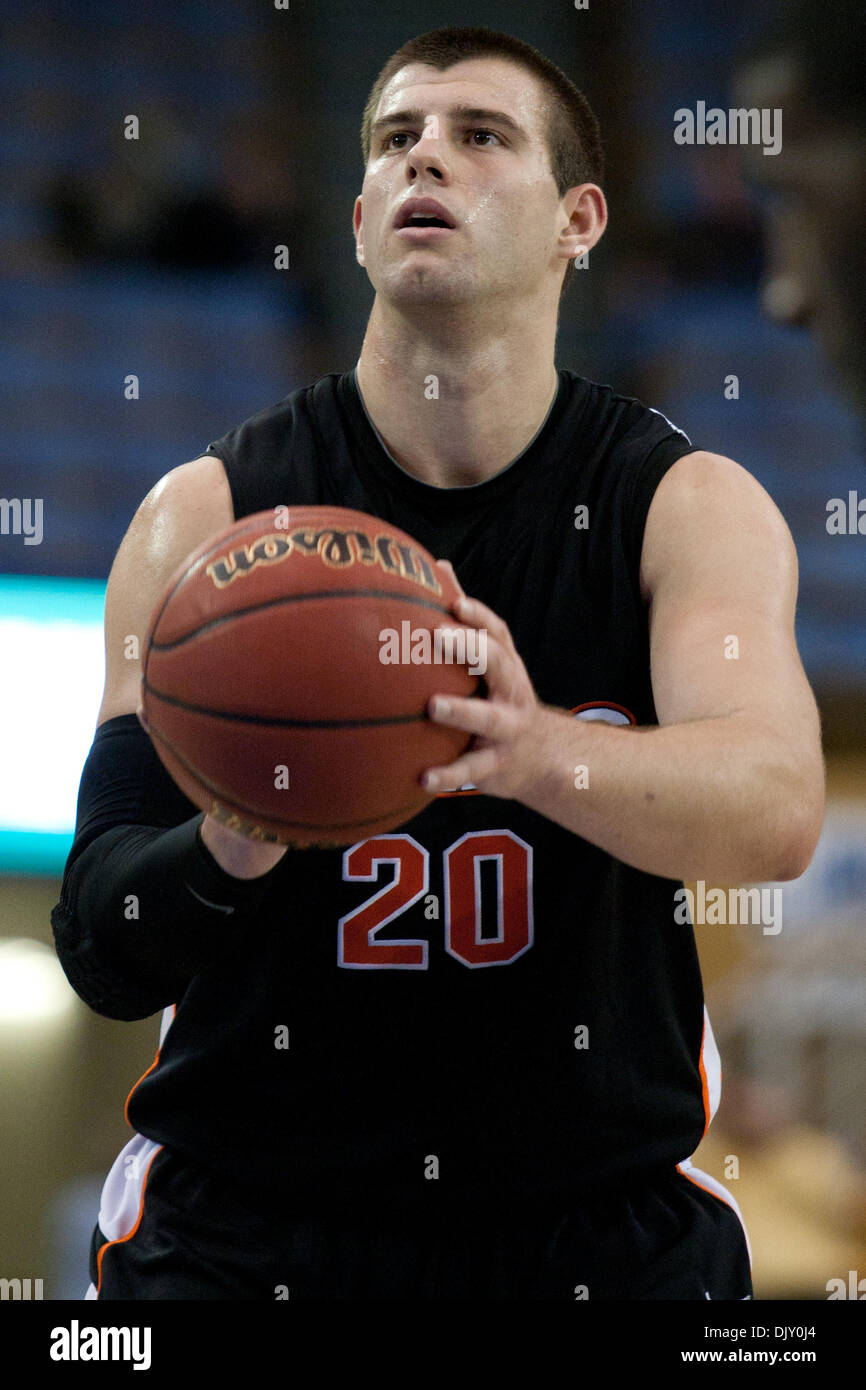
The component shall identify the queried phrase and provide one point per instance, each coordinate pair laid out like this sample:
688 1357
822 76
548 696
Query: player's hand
236 854
501 760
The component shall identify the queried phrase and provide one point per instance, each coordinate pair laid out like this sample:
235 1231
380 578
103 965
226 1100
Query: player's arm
145 903
184 508
730 786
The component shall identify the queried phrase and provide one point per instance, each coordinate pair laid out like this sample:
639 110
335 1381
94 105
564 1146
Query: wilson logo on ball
334 548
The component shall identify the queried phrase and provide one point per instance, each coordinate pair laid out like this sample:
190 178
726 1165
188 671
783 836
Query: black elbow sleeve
144 906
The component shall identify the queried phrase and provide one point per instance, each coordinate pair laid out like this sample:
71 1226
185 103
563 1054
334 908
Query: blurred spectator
810 63
802 1196
166 199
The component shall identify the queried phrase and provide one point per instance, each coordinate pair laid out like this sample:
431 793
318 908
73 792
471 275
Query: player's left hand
502 758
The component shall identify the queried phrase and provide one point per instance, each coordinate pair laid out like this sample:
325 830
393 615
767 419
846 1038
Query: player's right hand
237 854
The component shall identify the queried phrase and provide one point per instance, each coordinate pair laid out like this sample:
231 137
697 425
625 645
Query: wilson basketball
287 669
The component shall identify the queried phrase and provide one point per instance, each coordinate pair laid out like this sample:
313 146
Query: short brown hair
573 137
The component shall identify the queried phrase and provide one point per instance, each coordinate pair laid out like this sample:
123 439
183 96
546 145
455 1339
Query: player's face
815 272
472 138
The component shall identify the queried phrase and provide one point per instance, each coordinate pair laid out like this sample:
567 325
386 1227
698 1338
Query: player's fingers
449 569
473 716
474 613
472 767
497 664
482 656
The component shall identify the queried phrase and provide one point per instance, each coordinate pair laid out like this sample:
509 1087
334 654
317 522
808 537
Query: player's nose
427 155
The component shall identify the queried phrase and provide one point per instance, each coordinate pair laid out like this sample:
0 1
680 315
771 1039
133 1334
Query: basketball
287 669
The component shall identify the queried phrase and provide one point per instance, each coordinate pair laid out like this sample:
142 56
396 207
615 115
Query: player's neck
454 410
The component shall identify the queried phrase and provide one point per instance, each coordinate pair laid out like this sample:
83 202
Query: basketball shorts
185 1234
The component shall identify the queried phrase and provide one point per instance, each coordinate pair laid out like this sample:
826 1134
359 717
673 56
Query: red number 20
357 945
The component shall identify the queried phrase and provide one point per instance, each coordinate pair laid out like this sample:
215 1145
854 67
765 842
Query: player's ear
584 220
359 232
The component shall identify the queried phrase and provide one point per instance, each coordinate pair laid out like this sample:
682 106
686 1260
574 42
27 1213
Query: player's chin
428 283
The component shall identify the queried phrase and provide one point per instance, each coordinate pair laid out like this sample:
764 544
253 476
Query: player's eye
486 135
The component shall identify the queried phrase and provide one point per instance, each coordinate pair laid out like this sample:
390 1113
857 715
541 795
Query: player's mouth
423 219
419 232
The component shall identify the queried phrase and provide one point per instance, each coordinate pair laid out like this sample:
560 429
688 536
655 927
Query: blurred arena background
143 315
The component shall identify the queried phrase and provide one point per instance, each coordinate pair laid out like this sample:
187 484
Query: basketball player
492 1087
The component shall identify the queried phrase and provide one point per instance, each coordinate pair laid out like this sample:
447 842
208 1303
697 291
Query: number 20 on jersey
359 946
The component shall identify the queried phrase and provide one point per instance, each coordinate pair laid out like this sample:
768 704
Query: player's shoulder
617 416
277 422
705 488
617 431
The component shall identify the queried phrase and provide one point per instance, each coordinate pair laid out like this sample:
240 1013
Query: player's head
810 65
499 136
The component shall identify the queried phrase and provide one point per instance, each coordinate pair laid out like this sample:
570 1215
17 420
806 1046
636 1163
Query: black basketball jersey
481 1004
